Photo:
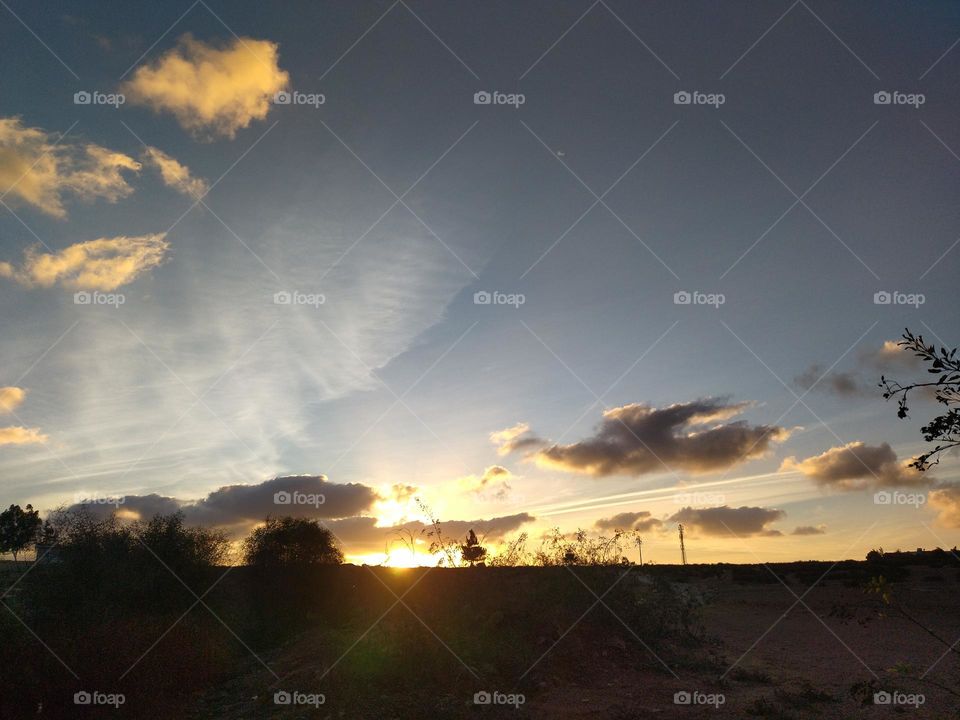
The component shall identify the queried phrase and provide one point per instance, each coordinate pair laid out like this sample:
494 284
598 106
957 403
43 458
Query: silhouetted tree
18 529
106 564
471 551
291 541
943 429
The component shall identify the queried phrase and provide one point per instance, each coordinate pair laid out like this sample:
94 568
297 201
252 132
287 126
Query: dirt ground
787 659
763 652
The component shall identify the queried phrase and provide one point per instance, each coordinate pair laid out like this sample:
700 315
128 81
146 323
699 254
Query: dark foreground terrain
798 640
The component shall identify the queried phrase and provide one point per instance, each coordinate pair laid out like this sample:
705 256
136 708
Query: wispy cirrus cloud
38 168
102 264
212 90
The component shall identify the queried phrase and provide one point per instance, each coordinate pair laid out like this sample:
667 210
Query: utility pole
640 548
683 550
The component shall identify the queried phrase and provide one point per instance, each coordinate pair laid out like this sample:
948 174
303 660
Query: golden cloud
514 439
946 501
11 398
21 436
175 174
211 91
103 264
37 169
494 483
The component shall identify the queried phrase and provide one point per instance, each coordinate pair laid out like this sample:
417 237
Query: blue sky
397 199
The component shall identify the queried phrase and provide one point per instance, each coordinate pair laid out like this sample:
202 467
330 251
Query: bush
291 541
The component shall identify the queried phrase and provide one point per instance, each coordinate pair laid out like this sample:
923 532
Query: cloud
103 264
725 521
856 466
175 174
129 507
890 355
210 90
21 436
946 501
493 483
361 535
237 508
515 439
38 168
241 504
640 520
844 384
809 530
11 398
636 439
403 493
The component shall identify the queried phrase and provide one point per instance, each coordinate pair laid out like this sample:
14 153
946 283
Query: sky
536 265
